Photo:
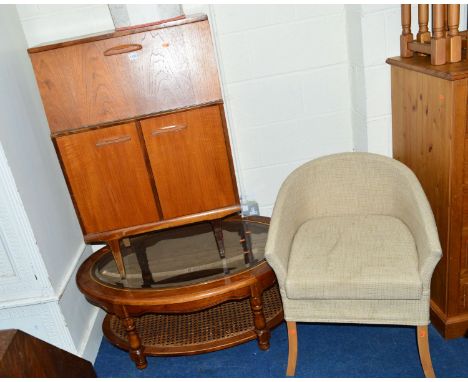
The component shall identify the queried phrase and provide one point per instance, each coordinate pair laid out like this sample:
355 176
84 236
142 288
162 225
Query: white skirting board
66 320
83 319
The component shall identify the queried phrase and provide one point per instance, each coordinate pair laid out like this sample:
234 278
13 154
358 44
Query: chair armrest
288 215
415 211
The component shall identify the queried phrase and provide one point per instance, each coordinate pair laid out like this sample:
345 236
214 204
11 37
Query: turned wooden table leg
263 333
115 248
136 349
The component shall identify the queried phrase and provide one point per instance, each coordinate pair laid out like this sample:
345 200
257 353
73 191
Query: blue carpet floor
324 351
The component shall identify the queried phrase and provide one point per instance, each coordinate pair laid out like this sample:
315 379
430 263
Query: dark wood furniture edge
450 328
192 349
456 201
149 170
95 238
422 64
229 151
102 36
133 119
67 181
23 355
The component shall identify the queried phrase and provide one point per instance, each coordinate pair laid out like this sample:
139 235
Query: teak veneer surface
187 151
81 86
106 171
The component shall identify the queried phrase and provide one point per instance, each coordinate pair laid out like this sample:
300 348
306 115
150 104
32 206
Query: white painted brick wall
286 86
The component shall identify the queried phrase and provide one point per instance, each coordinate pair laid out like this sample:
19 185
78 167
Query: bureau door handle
113 140
168 129
125 48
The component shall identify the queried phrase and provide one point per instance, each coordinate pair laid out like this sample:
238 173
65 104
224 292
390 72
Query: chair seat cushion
353 257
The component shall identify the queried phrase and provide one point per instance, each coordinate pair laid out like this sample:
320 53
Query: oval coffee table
187 290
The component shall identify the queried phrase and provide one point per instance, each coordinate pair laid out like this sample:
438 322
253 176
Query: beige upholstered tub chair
352 239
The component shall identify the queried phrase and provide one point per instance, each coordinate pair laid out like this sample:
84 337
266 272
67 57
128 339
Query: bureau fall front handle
168 129
113 140
120 49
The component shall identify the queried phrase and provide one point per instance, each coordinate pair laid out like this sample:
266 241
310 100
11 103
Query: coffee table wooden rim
174 299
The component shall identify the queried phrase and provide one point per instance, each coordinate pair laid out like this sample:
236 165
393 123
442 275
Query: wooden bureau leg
115 248
217 227
142 258
424 354
136 350
246 242
292 348
263 333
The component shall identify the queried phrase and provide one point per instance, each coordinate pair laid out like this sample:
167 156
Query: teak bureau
138 124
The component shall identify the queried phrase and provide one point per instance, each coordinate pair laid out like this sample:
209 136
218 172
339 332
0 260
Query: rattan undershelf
219 327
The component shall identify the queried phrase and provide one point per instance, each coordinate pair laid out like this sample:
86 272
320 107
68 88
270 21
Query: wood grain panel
80 86
464 274
422 139
458 122
465 161
107 177
190 161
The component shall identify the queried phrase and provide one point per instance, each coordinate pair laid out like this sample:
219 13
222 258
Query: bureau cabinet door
190 161
109 181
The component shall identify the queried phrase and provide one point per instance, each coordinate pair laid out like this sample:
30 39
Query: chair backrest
350 184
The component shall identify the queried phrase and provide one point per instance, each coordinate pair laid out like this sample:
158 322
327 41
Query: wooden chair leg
424 354
292 344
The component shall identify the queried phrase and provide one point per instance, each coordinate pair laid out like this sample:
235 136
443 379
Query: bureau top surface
111 34
422 64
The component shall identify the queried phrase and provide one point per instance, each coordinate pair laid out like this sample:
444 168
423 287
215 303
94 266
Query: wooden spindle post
406 35
438 48
454 43
423 35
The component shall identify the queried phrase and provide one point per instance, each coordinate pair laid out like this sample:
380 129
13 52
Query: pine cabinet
430 135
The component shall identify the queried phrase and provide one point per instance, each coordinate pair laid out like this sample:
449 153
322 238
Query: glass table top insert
185 255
